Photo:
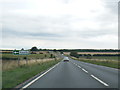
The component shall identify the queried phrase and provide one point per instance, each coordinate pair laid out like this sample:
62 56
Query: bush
74 54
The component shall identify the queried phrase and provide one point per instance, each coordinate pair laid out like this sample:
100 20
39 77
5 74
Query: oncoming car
66 59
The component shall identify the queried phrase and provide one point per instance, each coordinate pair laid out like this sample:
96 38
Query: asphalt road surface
76 74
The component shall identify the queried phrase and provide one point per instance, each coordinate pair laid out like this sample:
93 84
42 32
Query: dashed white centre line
100 80
92 76
79 66
84 70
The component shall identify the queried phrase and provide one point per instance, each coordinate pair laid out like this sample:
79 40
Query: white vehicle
66 59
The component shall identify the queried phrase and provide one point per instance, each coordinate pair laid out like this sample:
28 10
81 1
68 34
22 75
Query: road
76 74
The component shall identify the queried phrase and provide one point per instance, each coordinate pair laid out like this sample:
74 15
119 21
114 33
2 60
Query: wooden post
18 61
26 61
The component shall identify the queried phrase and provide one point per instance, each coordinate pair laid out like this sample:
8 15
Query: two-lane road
76 74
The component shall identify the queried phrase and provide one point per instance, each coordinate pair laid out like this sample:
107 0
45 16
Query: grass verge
12 78
108 63
106 57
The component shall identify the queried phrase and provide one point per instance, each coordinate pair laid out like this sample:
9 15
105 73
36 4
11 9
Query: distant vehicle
66 59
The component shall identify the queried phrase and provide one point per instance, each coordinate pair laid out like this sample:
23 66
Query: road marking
92 76
38 77
84 70
79 66
100 80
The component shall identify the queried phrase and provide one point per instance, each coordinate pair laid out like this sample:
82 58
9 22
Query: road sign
21 52
16 52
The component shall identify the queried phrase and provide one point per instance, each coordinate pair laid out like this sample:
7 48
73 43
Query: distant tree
24 57
54 50
44 49
40 49
22 49
74 53
89 56
45 55
61 52
34 49
51 55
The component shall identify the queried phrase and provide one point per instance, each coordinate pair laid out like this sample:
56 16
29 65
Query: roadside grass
11 64
106 57
103 62
10 61
13 77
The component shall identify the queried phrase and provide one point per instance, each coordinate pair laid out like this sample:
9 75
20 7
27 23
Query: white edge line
99 80
84 70
39 77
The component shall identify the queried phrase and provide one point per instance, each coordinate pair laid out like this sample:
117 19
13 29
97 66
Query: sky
59 24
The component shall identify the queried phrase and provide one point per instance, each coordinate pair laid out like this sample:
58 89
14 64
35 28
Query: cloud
111 5
60 23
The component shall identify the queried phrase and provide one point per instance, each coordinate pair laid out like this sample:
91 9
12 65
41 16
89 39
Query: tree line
75 54
77 50
71 50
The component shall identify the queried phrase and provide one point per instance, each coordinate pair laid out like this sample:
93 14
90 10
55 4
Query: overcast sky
70 24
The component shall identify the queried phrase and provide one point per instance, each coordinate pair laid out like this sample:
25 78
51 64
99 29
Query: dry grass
103 62
68 53
97 52
10 64
8 61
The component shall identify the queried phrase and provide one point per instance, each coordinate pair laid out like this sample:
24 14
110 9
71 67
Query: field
102 57
109 61
31 56
11 64
68 53
10 61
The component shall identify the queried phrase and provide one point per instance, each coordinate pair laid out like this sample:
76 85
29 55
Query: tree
45 55
51 56
22 49
74 53
34 49
61 52
54 50
89 56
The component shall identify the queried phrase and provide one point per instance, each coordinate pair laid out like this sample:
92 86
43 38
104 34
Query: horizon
60 49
